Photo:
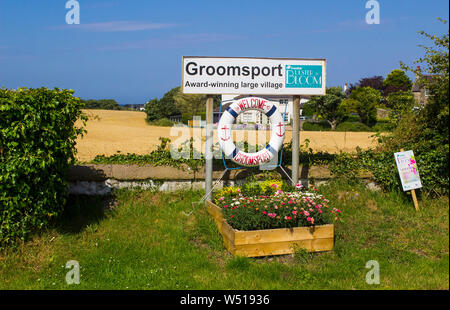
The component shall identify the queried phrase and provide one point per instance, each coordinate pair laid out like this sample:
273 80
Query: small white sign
407 169
262 76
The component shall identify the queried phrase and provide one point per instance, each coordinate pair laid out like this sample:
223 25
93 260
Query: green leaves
37 143
329 106
366 101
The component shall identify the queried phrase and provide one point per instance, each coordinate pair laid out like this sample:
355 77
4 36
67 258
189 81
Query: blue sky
130 50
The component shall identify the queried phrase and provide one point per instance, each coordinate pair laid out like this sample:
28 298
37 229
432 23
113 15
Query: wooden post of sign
295 138
209 147
413 192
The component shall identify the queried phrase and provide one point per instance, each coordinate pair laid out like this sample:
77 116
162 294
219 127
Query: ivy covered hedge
37 146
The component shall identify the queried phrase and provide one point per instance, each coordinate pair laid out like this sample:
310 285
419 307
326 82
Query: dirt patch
344 196
372 205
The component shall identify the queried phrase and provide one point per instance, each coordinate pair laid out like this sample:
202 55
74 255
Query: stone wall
102 179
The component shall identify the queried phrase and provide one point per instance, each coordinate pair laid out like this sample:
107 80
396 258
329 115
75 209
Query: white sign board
262 76
407 169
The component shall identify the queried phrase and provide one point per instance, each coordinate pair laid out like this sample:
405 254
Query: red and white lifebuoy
227 120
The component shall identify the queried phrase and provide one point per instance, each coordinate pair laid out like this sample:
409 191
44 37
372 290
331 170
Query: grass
155 240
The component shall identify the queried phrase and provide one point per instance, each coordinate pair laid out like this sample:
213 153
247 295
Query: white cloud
173 41
116 26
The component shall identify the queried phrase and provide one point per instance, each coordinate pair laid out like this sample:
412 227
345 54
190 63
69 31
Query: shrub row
354 126
37 146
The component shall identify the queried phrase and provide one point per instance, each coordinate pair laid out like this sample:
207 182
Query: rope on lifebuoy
228 118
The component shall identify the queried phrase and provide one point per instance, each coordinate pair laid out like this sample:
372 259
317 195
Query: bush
383 126
352 118
352 126
320 126
165 122
37 147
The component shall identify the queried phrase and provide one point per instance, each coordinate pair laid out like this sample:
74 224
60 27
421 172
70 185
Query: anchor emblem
280 134
225 138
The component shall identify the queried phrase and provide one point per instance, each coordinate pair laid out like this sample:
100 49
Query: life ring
228 118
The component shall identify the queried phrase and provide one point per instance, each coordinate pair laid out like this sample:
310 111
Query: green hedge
353 126
319 126
37 146
162 122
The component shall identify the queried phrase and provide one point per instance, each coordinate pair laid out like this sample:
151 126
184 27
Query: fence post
209 147
295 138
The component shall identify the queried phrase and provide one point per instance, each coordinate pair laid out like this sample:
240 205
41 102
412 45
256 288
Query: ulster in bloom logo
307 76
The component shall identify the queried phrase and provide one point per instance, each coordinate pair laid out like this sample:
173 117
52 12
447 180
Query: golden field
127 132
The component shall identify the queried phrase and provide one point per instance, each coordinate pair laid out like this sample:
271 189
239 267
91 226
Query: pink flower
264 212
288 218
222 198
299 186
225 206
306 213
231 216
272 215
308 219
274 185
294 212
290 202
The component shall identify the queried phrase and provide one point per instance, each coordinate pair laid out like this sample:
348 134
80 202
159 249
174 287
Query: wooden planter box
271 241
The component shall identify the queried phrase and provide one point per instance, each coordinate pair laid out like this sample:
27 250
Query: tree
426 130
103 104
375 82
433 118
396 81
190 104
329 107
163 108
400 102
367 100
153 110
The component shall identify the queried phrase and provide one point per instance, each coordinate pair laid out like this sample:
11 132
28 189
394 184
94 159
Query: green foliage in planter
278 210
37 146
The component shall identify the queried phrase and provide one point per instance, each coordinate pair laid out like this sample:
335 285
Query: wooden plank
214 210
229 245
416 203
284 234
288 247
228 232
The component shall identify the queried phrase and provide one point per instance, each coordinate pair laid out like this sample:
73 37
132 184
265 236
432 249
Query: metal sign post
209 147
295 139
